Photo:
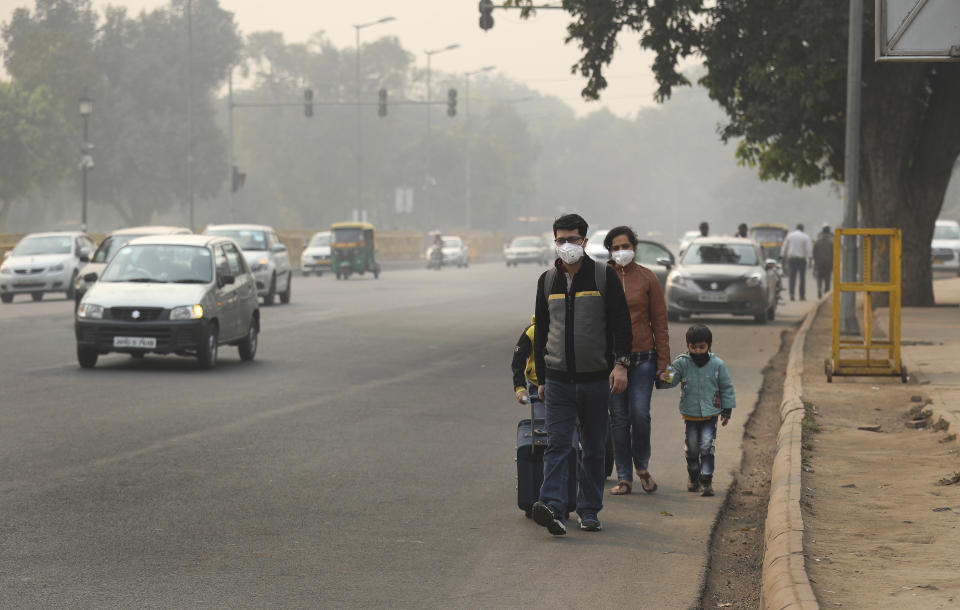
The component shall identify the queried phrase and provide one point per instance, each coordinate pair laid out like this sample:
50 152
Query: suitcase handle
533 430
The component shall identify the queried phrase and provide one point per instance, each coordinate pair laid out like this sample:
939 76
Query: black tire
761 318
70 289
36 296
248 347
87 357
271 296
208 352
285 295
6 297
673 316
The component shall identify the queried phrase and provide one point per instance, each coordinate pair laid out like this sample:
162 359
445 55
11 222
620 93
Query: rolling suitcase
531 443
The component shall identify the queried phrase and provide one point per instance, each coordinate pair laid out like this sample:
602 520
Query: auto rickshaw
352 249
770 237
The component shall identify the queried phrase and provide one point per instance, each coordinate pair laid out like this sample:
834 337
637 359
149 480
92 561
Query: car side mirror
226 280
84 255
279 248
90 277
666 262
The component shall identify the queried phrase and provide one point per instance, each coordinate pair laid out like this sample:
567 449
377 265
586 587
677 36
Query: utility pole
467 194
233 152
189 8
851 165
426 191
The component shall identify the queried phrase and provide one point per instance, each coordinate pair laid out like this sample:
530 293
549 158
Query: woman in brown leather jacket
630 411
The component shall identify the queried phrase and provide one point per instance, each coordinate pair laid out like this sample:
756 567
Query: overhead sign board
917 30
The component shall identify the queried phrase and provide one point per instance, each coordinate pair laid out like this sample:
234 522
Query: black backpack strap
549 278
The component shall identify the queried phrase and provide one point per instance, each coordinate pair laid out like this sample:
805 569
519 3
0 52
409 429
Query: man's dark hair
698 333
704 229
570 222
826 230
800 226
617 232
742 228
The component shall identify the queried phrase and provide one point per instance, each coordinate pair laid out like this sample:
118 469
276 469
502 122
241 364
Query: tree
778 70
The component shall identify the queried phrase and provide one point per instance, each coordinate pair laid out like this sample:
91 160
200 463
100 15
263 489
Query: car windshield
946 232
160 263
245 238
320 241
347 236
525 242
108 249
50 244
451 242
721 254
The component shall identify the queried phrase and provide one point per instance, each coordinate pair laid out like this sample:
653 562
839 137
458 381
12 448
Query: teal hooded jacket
706 390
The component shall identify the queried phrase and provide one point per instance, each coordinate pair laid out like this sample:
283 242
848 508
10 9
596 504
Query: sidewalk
881 530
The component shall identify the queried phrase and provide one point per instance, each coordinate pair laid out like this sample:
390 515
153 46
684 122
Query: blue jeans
700 444
630 420
567 403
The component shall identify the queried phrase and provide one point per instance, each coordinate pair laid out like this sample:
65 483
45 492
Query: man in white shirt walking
797 251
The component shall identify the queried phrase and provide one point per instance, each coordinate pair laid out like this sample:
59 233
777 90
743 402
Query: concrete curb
784 582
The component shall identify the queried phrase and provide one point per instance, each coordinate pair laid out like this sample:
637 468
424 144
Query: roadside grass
809 425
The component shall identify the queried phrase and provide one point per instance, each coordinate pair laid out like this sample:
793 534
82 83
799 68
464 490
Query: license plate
939 259
139 342
713 297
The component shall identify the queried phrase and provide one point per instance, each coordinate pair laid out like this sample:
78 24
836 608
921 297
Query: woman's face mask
570 253
623 257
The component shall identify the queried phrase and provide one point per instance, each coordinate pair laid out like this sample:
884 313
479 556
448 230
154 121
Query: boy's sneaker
694 483
706 481
545 516
590 523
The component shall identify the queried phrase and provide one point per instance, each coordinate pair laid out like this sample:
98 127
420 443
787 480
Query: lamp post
467 202
189 15
360 109
430 54
86 159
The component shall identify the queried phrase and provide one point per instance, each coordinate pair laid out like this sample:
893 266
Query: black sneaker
545 516
694 483
590 523
706 482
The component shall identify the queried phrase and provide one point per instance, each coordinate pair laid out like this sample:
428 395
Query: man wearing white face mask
582 344
650 354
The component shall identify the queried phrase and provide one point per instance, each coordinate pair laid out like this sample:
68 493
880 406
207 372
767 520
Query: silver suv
44 262
266 256
181 294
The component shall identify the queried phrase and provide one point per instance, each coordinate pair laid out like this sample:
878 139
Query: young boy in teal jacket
706 394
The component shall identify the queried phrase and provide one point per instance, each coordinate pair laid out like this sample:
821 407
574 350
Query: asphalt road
365 459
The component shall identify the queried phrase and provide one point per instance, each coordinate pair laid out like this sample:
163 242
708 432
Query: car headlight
680 280
187 312
58 267
260 265
90 311
754 280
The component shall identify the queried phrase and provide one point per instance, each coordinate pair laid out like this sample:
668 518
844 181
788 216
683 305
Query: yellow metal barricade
880 357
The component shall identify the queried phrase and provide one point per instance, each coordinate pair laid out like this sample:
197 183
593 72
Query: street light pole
189 9
356 81
467 195
851 166
86 109
426 191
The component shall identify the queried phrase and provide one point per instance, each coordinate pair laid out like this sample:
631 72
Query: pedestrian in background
704 229
742 230
797 251
706 393
581 350
823 260
650 353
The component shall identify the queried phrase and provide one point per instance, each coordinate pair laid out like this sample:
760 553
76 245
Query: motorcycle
435 258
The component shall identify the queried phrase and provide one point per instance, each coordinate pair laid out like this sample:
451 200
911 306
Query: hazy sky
530 51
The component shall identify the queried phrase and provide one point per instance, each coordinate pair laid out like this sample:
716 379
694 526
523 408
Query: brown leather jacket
648 311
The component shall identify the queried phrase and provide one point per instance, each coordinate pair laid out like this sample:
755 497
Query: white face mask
623 257
570 253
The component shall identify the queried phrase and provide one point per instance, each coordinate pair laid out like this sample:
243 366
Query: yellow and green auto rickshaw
352 249
770 236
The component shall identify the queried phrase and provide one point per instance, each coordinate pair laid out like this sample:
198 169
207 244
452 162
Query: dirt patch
736 545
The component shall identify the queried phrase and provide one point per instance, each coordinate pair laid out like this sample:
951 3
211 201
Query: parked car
266 257
524 249
945 248
595 248
44 262
182 294
549 247
455 252
109 246
316 255
655 257
723 275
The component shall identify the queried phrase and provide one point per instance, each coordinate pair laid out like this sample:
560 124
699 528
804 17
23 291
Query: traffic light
308 102
486 14
382 105
237 178
452 102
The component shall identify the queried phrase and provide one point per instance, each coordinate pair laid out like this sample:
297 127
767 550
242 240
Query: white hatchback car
44 262
266 256
945 248
595 248
316 255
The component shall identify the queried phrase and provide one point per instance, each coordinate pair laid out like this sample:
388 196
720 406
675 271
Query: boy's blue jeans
566 404
700 444
630 420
